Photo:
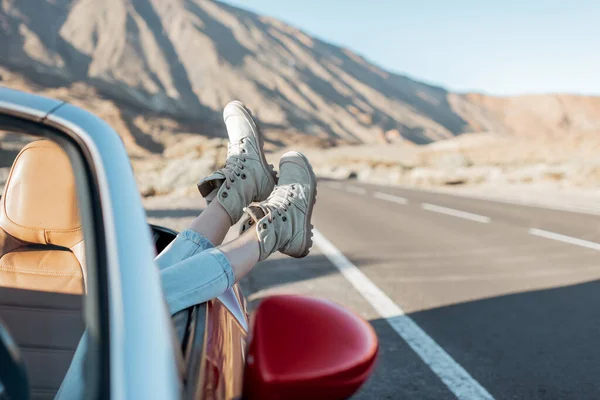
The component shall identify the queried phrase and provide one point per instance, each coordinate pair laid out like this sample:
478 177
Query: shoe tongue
234 150
237 128
256 213
210 184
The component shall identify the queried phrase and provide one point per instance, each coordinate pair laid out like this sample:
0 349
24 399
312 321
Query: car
54 284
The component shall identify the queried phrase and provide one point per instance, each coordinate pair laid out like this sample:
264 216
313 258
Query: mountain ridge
185 59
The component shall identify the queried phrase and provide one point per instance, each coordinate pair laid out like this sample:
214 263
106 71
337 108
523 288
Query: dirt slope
158 68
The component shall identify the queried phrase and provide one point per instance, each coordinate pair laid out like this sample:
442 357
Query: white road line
355 189
564 238
390 197
454 376
456 213
507 199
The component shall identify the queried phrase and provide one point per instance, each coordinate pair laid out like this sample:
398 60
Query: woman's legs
209 227
246 177
213 223
205 232
280 223
192 269
242 253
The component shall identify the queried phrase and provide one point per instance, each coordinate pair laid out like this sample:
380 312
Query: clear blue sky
492 46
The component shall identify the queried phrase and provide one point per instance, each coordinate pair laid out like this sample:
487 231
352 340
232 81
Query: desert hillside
160 72
531 115
184 59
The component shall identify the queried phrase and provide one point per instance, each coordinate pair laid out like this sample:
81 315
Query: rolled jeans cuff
196 279
186 244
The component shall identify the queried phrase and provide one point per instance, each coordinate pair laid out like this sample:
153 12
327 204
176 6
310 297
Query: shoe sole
257 135
307 243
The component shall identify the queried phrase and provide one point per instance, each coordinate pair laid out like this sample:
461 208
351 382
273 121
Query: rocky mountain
530 115
157 68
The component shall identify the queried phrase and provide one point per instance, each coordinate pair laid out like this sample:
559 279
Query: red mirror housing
307 348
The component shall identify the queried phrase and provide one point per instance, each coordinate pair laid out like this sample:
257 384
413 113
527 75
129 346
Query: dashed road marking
390 197
456 213
356 189
334 185
452 374
564 238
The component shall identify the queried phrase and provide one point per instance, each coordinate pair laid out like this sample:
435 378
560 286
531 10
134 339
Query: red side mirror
306 348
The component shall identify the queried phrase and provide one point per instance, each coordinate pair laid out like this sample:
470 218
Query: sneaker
283 221
246 176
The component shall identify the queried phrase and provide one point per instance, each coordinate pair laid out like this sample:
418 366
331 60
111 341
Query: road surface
470 298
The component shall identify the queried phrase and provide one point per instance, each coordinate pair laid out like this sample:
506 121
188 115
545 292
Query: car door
214 343
131 351
321 349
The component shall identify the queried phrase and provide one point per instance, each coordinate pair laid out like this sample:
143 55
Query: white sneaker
246 176
283 221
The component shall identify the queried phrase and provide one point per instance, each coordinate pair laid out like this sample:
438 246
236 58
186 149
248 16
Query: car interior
43 286
42 273
42 263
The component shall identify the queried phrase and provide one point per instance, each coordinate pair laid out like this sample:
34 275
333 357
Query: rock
449 160
393 135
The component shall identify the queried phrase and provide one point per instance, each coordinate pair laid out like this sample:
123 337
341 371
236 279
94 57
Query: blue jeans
192 271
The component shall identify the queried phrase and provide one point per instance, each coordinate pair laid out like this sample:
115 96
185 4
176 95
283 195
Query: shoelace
234 164
277 200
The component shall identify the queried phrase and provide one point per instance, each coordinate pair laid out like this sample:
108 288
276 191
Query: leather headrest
39 204
29 269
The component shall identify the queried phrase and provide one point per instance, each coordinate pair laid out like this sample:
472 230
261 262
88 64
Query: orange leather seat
41 238
41 263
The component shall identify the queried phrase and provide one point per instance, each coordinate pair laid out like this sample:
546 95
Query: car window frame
191 343
96 302
141 361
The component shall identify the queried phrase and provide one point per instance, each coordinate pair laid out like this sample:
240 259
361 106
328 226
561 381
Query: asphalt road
477 299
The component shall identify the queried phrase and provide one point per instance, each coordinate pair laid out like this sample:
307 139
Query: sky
492 46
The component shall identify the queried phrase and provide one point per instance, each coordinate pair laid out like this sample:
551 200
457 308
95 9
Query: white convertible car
76 253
